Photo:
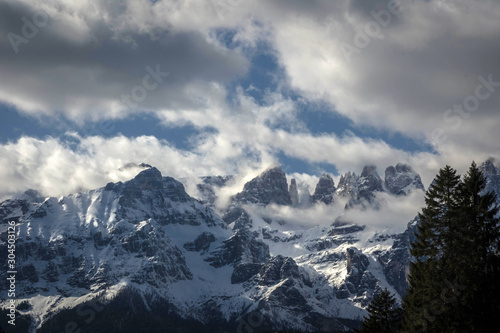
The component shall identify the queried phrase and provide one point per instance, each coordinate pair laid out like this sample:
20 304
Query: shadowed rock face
396 261
400 180
149 179
360 189
348 185
325 190
492 174
13 209
242 247
357 263
370 182
244 252
277 269
269 187
239 216
359 280
201 243
149 195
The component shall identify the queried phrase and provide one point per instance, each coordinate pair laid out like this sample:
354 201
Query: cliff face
401 179
325 190
269 187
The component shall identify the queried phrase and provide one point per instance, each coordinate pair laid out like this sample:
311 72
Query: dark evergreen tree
455 275
432 251
477 263
384 316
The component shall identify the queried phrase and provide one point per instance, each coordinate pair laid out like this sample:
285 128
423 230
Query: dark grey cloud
84 60
365 7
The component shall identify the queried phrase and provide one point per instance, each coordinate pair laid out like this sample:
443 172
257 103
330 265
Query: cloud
405 77
87 55
394 211
306 184
60 167
244 143
274 127
315 215
104 60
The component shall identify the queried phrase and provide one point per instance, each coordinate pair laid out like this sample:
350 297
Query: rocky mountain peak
149 179
149 195
370 182
269 187
492 174
369 170
348 185
360 189
489 168
402 179
325 189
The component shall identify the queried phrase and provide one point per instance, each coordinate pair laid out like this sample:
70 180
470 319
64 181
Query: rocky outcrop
270 187
396 261
201 243
325 190
151 196
356 264
369 183
348 186
277 269
241 247
492 174
360 190
359 280
244 251
401 179
238 216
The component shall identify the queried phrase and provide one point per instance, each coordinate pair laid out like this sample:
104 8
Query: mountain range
145 256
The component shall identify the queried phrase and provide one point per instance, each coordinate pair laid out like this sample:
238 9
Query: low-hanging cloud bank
392 213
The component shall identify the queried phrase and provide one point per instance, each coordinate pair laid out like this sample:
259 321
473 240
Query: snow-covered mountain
144 256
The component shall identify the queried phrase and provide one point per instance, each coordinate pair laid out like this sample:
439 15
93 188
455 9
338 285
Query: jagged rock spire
270 187
325 190
294 193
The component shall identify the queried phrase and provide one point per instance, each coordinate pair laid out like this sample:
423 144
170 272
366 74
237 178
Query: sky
222 87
